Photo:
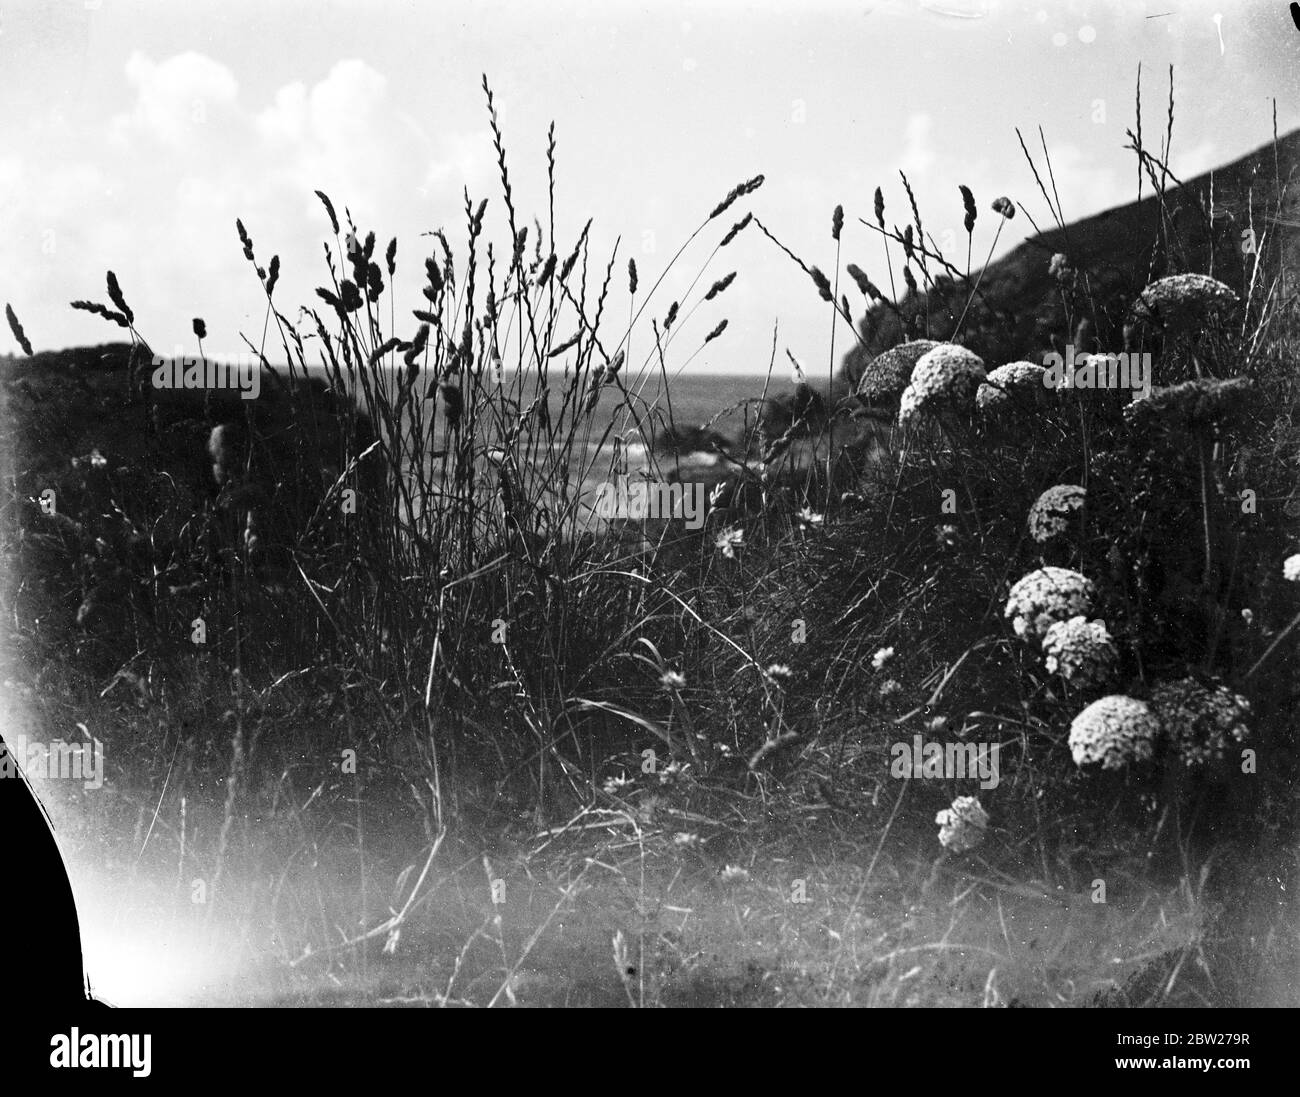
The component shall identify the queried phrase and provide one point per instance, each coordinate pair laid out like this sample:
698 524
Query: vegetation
448 740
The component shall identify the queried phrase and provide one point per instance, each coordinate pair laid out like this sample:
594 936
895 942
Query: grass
448 741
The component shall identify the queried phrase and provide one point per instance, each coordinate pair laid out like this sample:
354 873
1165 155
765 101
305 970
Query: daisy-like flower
946 535
672 680
808 517
1183 301
1045 596
882 657
1080 651
1015 385
734 874
614 785
963 825
1052 512
685 840
1113 732
890 687
779 672
729 540
886 376
1291 568
1200 722
1248 615
945 377
1059 268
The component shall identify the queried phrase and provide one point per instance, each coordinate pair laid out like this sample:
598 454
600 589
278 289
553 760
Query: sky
133 133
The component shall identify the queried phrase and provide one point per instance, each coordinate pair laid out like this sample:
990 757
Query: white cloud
176 99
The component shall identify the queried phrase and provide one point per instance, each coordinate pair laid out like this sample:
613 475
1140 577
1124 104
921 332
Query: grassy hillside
438 742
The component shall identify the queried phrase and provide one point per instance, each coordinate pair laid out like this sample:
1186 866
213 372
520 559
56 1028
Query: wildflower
672 772
672 680
729 540
1050 515
1114 731
963 825
734 874
937 726
1004 207
1248 615
808 517
1045 596
98 460
882 657
779 671
615 785
889 688
1183 301
1080 651
1200 721
1060 269
1190 405
946 376
684 840
1015 384
946 535
886 376
1291 568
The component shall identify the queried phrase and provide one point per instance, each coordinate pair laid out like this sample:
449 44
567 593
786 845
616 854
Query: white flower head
1080 651
779 672
1291 568
809 517
944 378
1183 300
1054 510
1200 722
882 657
886 376
963 825
672 680
1017 384
729 540
1047 595
1113 732
614 785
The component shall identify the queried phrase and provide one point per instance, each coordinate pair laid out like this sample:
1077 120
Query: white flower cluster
1045 596
946 376
1200 721
1291 568
1182 300
1080 651
1201 402
1114 731
1050 515
1012 385
885 377
963 825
